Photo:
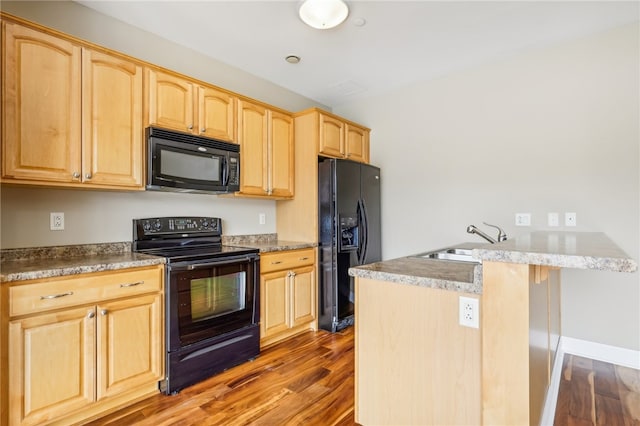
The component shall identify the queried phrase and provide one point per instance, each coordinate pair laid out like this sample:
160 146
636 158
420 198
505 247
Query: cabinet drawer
81 289
284 260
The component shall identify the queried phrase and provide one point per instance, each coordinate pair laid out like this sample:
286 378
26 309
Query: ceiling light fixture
292 59
323 14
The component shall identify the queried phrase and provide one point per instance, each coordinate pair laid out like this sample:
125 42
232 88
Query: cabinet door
112 120
170 101
281 160
129 341
51 365
303 289
41 106
252 135
216 114
357 143
274 303
331 142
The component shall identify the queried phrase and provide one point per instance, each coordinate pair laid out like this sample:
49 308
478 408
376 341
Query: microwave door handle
225 170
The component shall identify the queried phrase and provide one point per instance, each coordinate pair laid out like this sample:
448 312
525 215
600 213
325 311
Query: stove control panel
177 225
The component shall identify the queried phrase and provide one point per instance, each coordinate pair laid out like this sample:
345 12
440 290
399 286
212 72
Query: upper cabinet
177 103
266 151
72 116
338 138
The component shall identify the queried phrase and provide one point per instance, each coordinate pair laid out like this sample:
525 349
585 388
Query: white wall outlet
469 312
570 219
523 219
262 218
56 221
553 219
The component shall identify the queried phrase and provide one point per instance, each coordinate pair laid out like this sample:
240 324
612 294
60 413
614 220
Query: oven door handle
193 266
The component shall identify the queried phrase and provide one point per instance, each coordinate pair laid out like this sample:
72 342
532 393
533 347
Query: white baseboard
592 350
598 351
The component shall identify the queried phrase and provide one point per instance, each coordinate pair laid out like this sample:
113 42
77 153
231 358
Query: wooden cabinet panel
357 143
41 106
112 120
274 300
281 154
34 297
216 114
304 296
266 151
51 365
170 101
252 136
331 140
287 294
129 344
76 356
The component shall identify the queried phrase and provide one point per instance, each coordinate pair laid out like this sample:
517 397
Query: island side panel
505 343
414 363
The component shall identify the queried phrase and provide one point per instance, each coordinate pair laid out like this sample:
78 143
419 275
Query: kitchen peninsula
416 365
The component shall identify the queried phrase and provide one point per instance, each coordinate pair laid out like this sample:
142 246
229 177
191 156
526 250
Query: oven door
211 298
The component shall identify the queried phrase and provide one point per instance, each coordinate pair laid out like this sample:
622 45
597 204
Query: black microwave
182 162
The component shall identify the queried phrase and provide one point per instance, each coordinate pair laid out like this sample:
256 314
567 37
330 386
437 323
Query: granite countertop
265 242
583 250
580 250
47 262
56 261
446 275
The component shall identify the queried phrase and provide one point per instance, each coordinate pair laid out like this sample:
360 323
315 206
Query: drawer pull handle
55 296
304 258
277 262
132 284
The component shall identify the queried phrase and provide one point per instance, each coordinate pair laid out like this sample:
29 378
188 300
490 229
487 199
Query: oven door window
215 300
213 297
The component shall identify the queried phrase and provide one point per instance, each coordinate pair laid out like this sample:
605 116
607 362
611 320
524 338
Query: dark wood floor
597 393
306 380
309 380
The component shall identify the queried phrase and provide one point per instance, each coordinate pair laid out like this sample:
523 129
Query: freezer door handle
363 231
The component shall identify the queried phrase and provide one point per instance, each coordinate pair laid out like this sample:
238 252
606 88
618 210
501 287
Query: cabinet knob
91 314
104 312
76 175
203 130
190 127
88 176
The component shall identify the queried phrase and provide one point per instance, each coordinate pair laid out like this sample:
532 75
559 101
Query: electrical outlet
523 219
469 312
262 218
569 219
56 221
553 219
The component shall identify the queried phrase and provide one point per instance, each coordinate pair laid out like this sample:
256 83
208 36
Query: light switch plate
553 219
523 219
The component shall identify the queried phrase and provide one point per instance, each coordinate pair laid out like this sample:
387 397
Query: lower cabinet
73 356
287 294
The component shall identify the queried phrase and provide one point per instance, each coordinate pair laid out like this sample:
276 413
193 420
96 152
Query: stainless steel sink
455 254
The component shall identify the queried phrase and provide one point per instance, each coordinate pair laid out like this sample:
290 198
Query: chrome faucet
471 229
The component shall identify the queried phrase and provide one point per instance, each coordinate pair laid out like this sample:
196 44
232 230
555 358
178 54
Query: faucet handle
502 236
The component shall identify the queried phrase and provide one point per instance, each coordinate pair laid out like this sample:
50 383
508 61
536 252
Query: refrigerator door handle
364 231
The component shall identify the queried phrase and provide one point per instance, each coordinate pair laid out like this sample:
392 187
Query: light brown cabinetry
72 115
287 294
83 345
336 137
266 151
177 103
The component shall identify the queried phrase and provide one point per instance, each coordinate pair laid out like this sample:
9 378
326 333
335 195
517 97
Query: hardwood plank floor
309 380
306 380
597 393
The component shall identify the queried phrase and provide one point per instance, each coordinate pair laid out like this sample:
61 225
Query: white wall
548 130
94 217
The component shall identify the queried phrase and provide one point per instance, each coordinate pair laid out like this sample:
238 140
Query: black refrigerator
349 226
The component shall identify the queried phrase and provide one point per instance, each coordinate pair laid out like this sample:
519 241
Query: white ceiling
402 42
